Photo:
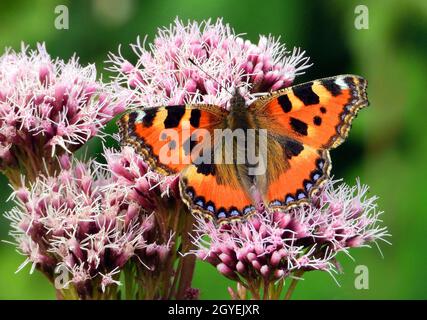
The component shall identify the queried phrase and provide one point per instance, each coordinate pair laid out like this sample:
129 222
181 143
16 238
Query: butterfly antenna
198 67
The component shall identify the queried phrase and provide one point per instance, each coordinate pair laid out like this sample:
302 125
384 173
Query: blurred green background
387 147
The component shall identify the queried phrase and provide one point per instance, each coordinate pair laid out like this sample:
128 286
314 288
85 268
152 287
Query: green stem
293 284
278 289
129 281
188 262
266 290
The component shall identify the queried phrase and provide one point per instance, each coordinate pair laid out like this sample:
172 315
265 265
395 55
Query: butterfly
302 124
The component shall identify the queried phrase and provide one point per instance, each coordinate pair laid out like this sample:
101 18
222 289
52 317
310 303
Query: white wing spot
340 81
141 115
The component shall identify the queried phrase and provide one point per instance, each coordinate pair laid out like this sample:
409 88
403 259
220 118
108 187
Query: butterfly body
300 125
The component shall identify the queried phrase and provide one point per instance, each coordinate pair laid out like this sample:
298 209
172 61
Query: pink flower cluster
83 222
270 246
48 103
164 75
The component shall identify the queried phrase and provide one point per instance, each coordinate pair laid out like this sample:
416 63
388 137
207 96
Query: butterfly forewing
317 113
166 136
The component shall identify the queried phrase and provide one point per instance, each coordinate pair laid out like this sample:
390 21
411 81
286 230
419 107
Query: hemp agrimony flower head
164 75
48 106
83 228
272 247
171 225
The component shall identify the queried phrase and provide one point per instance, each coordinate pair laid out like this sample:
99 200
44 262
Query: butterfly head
237 101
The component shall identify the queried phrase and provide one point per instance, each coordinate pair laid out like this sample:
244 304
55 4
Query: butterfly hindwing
306 170
172 131
215 191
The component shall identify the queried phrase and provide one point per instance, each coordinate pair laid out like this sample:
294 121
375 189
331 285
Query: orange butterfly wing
215 191
300 181
306 121
164 136
317 113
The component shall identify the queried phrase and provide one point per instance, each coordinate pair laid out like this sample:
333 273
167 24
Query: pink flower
273 246
164 75
83 222
48 106
132 174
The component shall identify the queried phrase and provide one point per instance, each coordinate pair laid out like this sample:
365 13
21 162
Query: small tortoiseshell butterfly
303 123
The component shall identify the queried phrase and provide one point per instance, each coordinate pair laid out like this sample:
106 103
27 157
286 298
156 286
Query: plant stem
265 295
188 262
129 280
293 284
277 290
